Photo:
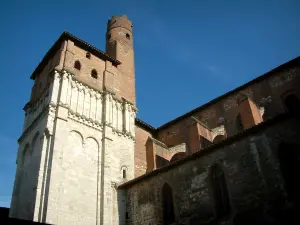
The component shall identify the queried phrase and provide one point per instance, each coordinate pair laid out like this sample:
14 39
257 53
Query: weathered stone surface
251 168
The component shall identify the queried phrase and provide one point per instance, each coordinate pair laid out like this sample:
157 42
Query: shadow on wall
4 219
160 161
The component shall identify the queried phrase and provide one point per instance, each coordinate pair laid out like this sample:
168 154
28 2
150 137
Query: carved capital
56 75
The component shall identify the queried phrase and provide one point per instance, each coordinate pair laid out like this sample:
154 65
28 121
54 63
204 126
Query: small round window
128 36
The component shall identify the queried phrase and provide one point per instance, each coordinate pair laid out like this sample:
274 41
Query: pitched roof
84 45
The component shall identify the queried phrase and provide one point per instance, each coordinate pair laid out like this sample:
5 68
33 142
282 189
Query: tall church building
78 137
84 157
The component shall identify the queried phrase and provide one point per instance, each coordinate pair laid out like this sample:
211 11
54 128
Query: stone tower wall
85 128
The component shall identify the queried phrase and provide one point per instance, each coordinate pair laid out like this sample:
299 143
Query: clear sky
186 52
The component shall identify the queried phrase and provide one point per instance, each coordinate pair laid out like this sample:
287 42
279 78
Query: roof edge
144 125
257 79
68 36
228 141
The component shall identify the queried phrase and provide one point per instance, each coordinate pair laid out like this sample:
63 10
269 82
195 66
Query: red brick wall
250 114
140 163
227 108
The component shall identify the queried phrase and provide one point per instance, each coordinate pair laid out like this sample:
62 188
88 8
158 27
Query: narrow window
88 55
220 193
94 74
77 65
124 173
289 159
239 124
292 103
168 206
128 36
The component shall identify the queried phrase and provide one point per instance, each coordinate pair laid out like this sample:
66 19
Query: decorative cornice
84 120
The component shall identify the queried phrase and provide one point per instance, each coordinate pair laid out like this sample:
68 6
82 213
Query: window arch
88 55
220 193
292 103
168 205
289 160
77 65
124 172
94 74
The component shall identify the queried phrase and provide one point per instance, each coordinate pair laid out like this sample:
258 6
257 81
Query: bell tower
119 45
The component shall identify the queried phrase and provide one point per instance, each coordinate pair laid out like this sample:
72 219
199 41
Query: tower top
119 21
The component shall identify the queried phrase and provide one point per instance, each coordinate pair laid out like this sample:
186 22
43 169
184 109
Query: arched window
128 36
94 74
289 159
124 173
168 206
292 103
88 55
220 193
77 65
239 124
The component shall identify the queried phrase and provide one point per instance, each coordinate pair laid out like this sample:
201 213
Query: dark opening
88 55
220 193
124 173
168 207
108 36
239 124
289 159
292 103
94 74
127 36
127 216
77 65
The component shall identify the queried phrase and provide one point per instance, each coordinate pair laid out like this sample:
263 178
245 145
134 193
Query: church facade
84 157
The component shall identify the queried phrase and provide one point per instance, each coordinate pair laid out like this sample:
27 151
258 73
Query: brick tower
119 45
78 137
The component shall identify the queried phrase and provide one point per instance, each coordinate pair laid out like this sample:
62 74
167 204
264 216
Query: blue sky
186 52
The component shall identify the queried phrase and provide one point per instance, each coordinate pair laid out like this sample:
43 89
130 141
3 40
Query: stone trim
47 109
158 142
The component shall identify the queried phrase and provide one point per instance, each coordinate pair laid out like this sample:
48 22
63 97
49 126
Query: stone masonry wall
251 170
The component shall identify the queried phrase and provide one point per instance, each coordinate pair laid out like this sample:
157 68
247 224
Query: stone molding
85 105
